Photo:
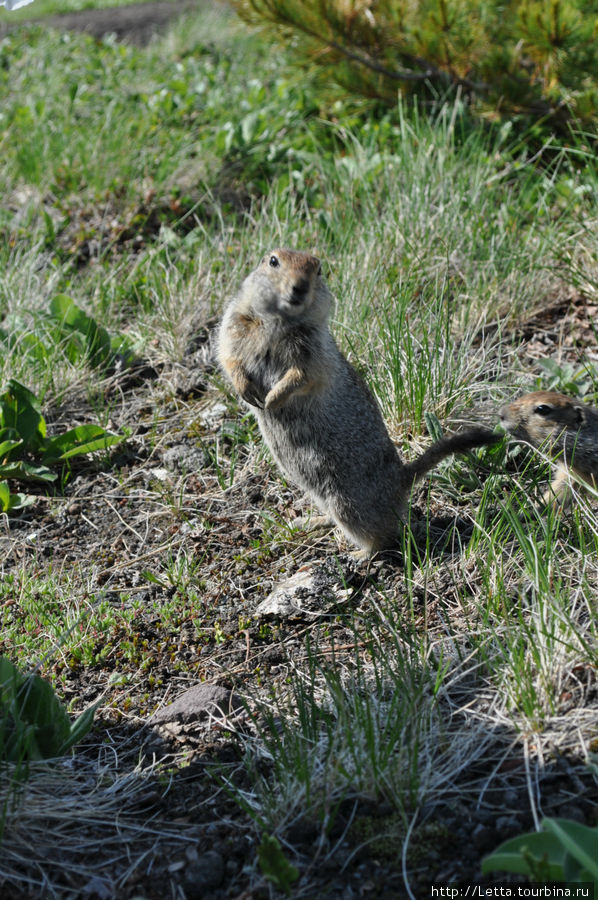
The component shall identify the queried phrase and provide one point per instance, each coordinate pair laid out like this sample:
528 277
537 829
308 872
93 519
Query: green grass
144 184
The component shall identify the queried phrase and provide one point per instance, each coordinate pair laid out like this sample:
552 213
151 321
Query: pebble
205 874
310 593
181 457
505 824
573 812
203 701
511 798
484 837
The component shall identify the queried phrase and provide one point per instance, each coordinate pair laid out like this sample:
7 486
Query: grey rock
484 837
199 702
205 874
309 593
505 824
213 414
573 812
99 888
181 457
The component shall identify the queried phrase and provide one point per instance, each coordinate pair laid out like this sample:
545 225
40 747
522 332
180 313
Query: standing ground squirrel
565 428
316 414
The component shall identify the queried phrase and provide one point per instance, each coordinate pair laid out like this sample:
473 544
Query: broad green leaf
4 497
550 365
75 348
572 870
65 309
249 126
30 345
34 723
579 840
38 705
124 347
25 708
20 501
102 443
9 675
79 440
20 411
514 855
71 317
24 471
6 447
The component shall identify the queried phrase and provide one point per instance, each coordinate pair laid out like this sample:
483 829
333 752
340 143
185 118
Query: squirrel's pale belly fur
311 439
316 414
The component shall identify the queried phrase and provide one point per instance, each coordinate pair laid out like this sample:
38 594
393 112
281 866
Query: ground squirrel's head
289 283
542 416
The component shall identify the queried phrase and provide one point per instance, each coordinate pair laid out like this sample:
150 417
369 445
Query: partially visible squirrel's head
542 415
289 283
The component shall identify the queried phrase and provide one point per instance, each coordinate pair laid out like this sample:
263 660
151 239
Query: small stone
309 593
484 837
573 812
199 702
160 474
176 867
213 414
232 867
505 824
192 855
511 798
99 887
183 457
204 875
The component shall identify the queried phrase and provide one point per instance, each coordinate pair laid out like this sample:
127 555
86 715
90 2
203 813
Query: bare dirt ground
139 532
135 24
117 533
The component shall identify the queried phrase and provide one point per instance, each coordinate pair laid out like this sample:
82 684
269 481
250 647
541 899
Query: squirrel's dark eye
543 409
319 272
274 262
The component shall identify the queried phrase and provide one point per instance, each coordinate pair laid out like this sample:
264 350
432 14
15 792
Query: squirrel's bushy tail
456 443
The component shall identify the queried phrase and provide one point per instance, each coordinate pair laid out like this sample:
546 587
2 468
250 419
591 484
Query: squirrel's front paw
273 400
251 396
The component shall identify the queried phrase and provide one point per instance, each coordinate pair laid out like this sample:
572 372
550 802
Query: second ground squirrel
316 414
565 428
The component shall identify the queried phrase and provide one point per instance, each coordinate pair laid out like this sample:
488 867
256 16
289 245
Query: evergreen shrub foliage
536 57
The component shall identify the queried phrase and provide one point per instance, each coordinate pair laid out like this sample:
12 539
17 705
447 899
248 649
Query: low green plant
26 453
34 724
87 338
84 339
10 502
567 378
562 851
274 864
535 58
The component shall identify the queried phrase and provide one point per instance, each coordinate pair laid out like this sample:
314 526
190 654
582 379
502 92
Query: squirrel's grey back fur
316 414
